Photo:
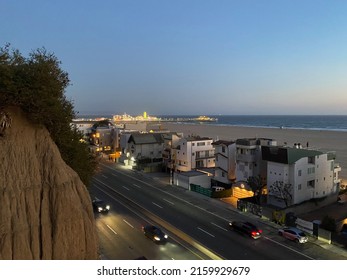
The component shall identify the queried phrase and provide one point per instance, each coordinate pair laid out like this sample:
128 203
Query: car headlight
99 209
165 236
156 238
108 207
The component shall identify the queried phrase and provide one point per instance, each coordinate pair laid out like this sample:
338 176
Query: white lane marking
112 230
169 201
206 232
278 243
194 205
115 175
219 226
104 176
137 186
200 248
126 188
157 205
130 225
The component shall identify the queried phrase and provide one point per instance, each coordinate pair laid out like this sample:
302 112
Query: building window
223 149
310 184
310 170
299 187
201 144
223 174
299 172
193 144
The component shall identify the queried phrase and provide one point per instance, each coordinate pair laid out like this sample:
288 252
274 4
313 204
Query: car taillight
260 231
254 233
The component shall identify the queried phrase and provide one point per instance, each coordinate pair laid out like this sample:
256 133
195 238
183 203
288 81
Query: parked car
154 233
293 233
100 206
246 228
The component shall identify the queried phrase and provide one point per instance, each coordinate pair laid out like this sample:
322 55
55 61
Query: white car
293 233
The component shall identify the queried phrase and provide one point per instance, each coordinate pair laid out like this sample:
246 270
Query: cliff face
45 209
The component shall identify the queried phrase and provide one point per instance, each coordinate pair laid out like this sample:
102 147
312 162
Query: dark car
154 233
100 206
246 228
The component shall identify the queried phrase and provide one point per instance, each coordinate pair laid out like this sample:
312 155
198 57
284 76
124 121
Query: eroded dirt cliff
45 209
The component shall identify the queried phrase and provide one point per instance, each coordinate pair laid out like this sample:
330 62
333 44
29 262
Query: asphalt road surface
197 226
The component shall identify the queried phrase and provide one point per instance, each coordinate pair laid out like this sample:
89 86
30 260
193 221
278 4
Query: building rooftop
286 155
197 138
192 173
146 138
223 142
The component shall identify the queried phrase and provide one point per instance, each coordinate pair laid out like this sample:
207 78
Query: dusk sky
196 57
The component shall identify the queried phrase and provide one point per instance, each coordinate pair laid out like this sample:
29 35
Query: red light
260 231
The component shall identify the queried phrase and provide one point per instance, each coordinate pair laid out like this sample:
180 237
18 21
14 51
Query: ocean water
328 122
334 123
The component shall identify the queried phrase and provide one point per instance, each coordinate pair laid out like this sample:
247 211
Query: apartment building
193 152
225 163
103 136
249 162
170 143
295 174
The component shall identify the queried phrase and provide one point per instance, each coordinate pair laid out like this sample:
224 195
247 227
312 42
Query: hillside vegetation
36 84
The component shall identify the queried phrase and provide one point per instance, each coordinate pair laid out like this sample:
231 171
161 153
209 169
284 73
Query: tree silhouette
37 85
282 191
256 183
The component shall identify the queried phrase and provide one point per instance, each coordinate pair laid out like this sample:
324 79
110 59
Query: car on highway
154 233
293 233
100 206
246 228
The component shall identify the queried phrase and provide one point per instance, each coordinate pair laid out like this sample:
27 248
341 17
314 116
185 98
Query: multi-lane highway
197 226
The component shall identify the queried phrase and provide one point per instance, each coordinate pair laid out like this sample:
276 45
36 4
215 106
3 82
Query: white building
83 126
193 152
249 161
299 174
145 149
185 179
170 143
225 163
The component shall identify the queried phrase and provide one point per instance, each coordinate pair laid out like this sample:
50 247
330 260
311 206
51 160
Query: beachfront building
185 179
249 162
193 152
295 175
225 163
170 143
144 151
102 136
84 126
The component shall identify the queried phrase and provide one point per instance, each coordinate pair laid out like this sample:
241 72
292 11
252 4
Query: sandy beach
316 139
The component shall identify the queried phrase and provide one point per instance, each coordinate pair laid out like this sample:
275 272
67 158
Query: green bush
37 85
328 223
